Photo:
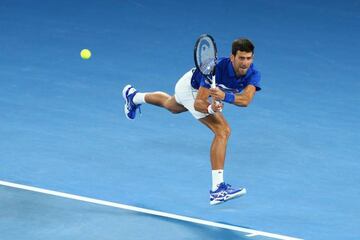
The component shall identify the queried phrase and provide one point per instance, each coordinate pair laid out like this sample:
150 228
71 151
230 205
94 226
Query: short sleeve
204 82
255 80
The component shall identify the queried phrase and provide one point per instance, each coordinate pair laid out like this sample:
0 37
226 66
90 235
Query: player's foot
130 107
225 192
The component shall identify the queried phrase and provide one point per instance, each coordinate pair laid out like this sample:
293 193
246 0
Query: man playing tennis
237 80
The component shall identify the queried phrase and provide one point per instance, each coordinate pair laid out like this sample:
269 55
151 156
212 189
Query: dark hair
242 44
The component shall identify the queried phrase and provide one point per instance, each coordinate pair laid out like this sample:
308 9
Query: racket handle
213 82
213 85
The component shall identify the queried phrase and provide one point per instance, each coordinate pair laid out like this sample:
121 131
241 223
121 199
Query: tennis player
237 80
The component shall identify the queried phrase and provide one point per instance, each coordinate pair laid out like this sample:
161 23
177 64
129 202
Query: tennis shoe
130 107
225 192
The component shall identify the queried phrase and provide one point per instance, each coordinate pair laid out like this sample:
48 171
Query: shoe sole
126 111
236 195
214 202
229 197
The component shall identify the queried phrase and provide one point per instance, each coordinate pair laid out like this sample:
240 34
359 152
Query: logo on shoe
131 91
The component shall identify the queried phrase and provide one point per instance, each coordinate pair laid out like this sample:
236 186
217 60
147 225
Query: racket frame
210 77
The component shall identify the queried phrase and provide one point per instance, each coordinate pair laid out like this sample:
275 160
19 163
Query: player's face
241 62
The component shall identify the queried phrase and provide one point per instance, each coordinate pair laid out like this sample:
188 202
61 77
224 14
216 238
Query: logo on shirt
226 89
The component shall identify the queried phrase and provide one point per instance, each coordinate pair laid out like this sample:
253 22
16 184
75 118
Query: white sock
217 178
139 98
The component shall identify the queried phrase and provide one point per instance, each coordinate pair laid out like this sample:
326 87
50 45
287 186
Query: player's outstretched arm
244 99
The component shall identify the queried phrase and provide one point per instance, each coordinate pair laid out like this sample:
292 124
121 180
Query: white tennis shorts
185 94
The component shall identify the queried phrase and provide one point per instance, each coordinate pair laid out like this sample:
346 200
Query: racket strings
206 56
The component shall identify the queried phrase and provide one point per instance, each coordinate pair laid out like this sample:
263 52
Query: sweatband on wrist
210 110
229 97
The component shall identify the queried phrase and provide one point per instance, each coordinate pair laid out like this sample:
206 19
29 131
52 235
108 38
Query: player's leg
186 95
220 191
183 91
221 129
134 99
164 100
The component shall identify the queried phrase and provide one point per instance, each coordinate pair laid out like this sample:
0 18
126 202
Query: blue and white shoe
225 192
130 107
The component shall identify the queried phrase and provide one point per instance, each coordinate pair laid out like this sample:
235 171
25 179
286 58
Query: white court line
250 232
251 235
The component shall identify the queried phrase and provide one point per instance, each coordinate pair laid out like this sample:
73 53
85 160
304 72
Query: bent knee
172 106
223 131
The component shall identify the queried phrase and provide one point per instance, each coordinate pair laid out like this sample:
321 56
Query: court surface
62 128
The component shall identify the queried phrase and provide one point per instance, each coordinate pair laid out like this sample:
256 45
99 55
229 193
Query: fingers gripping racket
205 57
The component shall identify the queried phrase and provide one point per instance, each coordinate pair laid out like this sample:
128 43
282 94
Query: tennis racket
205 57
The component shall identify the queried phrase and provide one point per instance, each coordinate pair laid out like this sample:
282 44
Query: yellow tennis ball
85 54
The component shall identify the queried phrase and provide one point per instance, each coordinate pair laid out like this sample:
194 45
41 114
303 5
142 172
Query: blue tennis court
295 148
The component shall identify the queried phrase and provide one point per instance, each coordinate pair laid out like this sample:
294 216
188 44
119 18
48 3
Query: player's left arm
242 99
246 96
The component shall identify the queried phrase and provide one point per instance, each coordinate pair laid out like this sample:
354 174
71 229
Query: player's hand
217 106
217 94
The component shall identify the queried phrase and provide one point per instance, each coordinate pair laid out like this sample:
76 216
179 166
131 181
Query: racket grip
213 82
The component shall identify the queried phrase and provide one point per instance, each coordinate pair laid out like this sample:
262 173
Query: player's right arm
201 103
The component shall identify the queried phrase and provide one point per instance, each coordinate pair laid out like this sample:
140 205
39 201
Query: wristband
210 110
229 97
